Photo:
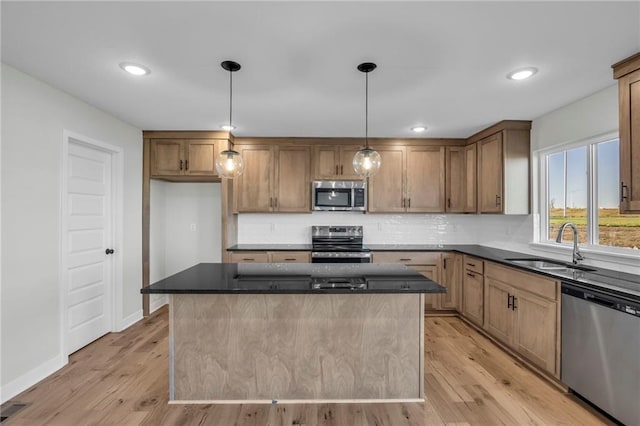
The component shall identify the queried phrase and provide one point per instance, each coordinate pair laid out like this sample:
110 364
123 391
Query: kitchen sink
549 265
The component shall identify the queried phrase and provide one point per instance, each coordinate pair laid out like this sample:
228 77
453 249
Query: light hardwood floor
122 379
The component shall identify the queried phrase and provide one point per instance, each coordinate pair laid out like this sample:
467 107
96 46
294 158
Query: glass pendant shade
366 162
229 164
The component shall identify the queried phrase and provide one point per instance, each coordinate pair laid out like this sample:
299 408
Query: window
582 187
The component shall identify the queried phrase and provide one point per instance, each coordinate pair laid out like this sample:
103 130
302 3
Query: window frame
542 234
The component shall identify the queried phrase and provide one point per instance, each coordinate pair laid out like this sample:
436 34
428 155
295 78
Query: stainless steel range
338 244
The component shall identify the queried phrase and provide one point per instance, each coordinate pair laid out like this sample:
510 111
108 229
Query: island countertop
300 278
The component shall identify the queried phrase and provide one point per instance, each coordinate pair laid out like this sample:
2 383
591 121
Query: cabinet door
326 159
470 179
167 158
498 314
431 301
201 158
346 162
535 332
473 297
253 189
455 179
293 185
386 188
629 95
490 166
451 276
425 179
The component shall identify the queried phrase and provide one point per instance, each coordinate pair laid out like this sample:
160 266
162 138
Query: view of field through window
569 196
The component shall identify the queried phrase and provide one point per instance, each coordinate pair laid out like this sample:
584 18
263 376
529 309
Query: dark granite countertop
621 283
293 278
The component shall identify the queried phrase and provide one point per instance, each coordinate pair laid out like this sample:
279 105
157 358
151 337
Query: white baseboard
30 378
130 320
158 302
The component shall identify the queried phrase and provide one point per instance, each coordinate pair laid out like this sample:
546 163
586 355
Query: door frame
115 290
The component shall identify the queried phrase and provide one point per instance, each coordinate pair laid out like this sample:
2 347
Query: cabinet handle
513 303
405 260
337 170
402 203
186 164
275 203
509 303
622 191
471 264
180 164
471 275
270 202
248 259
444 263
497 201
341 169
409 203
449 202
290 259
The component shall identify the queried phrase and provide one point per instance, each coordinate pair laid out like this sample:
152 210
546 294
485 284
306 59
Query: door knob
108 251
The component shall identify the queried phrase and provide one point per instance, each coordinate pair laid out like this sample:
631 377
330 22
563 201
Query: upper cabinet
334 162
627 72
460 179
411 179
504 181
276 178
176 157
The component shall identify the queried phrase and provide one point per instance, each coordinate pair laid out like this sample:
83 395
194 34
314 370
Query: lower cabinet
427 263
451 277
473 290
270 257
521 310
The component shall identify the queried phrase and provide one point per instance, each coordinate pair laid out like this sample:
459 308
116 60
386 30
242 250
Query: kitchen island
266 333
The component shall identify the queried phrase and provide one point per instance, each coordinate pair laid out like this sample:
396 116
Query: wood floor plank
122 379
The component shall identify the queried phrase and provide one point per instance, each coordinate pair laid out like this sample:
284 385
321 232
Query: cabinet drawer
290 257
533 283
473 264
249 256
407 257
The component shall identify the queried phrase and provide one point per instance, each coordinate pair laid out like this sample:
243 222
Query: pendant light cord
366 110
230 107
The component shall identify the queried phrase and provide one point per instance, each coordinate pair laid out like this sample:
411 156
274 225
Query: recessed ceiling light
227 127
418 129
522 73
134 69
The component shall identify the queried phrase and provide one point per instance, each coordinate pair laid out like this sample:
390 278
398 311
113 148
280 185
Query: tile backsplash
260 228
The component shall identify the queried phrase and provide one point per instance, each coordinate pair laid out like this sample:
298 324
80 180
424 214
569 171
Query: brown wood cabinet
627 72
460 167
451 278
411 179
183 157
426 263
504 181
270 257
521 310
276 178
473 290
334 162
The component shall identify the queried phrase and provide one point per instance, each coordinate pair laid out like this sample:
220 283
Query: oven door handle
344 255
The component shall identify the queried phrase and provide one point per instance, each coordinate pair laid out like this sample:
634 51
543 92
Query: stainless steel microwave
339 195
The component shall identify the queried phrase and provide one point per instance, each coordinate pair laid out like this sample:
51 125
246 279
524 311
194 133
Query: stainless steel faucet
577 256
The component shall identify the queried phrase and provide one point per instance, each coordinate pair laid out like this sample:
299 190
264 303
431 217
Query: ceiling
440 64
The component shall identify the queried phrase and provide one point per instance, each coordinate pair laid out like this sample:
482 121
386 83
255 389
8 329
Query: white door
88 265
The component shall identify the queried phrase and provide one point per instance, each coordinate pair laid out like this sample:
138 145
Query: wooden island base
266 348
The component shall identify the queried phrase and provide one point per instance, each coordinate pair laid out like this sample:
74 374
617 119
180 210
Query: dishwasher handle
599 300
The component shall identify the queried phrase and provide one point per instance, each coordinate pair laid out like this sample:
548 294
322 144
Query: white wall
174 244
34 116
387 228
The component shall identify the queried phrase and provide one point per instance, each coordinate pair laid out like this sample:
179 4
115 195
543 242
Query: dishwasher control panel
604 299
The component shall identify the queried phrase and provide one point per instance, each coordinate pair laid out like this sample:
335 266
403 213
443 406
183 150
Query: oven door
340 257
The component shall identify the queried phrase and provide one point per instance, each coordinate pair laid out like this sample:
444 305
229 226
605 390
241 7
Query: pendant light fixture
367 161
229 163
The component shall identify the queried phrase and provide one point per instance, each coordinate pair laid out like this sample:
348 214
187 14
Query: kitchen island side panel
297 347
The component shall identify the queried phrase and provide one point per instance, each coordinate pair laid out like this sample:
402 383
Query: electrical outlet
193 227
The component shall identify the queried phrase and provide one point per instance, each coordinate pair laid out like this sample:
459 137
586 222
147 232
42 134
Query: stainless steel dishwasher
601 350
